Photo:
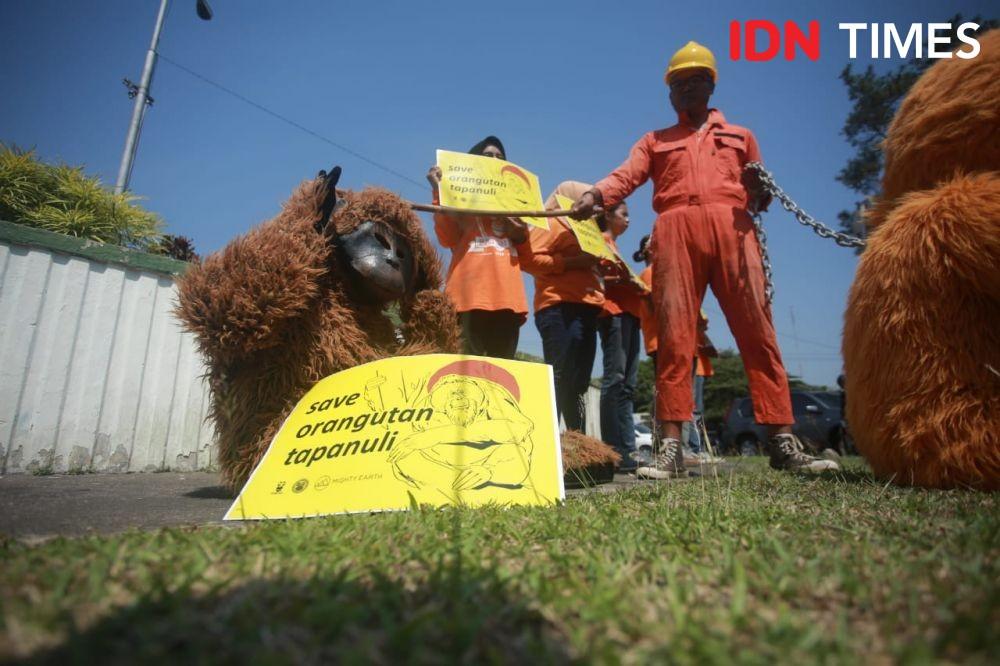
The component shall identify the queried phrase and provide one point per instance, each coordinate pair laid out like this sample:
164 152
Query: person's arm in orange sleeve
631 174
539 256
446 228
758 199
535 254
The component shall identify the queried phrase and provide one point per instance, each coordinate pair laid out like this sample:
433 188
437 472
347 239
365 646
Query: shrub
63 199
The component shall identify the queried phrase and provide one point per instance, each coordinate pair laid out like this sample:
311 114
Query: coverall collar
714 119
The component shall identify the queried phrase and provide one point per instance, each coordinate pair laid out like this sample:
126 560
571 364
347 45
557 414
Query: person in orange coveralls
568 297
484 278
704 235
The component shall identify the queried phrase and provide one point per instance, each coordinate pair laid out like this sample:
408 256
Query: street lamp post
141 94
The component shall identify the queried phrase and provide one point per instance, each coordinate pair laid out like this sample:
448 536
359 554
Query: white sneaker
668 464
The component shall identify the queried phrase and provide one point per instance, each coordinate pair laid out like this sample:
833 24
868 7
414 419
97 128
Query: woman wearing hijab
484 277
568 297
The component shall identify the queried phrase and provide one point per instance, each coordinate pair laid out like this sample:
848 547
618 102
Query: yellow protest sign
485 183
438 429
636 280
587 233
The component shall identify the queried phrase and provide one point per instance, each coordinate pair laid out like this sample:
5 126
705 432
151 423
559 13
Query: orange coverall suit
703 235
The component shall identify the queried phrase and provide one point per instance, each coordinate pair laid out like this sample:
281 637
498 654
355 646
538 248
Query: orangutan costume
304 296
922 329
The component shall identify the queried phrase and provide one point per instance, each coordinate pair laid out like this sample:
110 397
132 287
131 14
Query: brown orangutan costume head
304 296
922 329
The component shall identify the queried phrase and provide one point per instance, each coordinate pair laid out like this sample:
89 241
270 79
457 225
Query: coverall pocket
668 159
730 154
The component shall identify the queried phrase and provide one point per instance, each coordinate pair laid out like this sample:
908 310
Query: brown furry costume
277 310
922 329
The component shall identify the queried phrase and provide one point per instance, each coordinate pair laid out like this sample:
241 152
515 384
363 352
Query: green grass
754 567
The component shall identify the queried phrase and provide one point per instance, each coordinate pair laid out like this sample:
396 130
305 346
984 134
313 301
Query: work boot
668 464
786 454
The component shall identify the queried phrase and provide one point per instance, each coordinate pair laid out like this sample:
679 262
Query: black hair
490 140
640 255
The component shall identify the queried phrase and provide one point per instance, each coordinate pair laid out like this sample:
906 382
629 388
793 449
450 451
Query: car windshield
643 429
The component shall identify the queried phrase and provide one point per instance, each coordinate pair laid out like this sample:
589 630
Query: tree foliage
875 98
63 199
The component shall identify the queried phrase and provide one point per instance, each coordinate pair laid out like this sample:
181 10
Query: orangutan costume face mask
380 259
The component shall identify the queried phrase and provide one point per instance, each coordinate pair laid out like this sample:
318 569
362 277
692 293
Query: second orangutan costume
304 296
922 329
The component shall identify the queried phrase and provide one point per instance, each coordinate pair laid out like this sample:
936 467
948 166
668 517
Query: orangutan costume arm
242 299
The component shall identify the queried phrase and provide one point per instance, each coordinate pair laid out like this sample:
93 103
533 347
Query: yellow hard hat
689 56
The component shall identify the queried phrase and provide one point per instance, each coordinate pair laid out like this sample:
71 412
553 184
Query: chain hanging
803 218
765 260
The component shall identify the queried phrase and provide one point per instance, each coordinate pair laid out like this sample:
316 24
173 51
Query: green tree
642 399
875 98
63 199
530 358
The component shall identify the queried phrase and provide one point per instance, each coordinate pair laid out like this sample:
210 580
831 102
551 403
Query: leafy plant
63 199
177 247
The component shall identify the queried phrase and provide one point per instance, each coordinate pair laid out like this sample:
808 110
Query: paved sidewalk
81 504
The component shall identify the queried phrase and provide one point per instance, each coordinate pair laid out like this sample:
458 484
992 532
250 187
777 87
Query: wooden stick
447 210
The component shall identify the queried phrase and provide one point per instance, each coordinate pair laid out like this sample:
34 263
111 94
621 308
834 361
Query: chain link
803 218
765 260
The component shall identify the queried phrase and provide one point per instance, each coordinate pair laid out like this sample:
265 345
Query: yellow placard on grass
484 183
440 429
587 233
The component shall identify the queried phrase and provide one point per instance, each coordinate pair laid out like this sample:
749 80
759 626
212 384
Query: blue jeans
569 343
620 347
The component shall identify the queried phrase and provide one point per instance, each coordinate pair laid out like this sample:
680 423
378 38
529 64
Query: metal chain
803 217
765 260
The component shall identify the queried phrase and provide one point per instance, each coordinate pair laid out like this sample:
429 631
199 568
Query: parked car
818 424
643 438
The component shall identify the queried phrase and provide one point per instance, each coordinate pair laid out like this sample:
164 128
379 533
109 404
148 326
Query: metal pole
139 110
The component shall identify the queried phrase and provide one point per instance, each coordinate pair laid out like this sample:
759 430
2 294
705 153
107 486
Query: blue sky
568 87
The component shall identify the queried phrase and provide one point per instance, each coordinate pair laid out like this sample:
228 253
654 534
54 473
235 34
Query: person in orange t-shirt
704 236
647 317
484 277
702 368
568 297
618 328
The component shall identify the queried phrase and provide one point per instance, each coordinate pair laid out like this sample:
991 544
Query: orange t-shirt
647 317
621 296
485 273
702 362
542 256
